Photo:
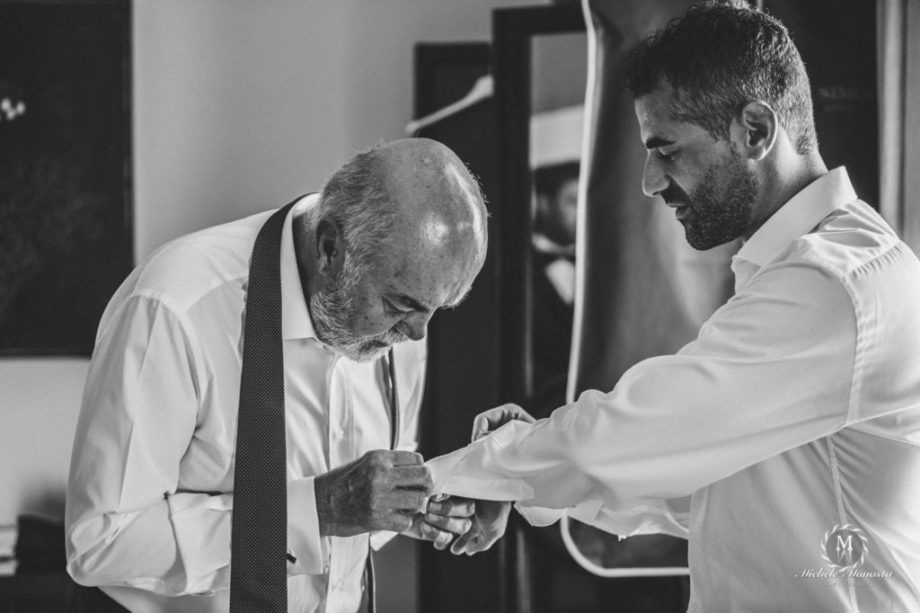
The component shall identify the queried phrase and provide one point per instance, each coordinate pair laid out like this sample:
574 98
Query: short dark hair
720 56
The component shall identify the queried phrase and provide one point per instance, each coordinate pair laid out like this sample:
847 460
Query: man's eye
667 157
393 309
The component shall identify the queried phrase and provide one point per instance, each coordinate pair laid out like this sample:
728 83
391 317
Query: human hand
488 525
446 517
490 420
381 490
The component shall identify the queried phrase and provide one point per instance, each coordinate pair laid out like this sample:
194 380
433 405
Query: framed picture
65 170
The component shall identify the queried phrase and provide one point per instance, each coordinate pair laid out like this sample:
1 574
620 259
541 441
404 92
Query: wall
242 105
238 106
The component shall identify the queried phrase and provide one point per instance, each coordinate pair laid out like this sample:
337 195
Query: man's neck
784 180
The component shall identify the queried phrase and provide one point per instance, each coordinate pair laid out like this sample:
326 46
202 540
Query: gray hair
356 198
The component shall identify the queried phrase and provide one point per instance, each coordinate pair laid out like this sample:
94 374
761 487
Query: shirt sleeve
771 370
306 545
127 523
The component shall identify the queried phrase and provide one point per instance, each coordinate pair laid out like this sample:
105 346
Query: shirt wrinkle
756 419
161 441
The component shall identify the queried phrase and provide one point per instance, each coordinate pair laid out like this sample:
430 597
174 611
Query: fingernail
429 517
434 507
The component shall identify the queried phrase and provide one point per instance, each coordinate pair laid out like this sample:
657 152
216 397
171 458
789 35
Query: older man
397 233
784 441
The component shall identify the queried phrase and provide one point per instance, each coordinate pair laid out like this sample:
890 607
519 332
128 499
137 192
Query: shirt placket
341 417
341 451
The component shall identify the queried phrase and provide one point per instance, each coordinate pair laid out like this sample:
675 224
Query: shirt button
340 434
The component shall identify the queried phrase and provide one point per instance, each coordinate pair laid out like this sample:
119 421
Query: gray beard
331 310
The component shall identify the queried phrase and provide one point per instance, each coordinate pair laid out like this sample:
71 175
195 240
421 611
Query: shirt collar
295 316
798 217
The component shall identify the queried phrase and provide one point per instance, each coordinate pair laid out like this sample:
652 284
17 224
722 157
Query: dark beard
720 209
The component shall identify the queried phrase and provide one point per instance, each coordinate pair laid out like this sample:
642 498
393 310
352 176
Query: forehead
433 280
657 123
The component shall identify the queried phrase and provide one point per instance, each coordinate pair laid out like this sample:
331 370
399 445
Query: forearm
742 393
612 451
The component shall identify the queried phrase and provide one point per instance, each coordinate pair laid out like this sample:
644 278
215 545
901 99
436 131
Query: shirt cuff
306 545
202 543
650 517
466 472
379 538
539 516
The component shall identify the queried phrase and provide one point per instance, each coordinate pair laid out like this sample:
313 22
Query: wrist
325 506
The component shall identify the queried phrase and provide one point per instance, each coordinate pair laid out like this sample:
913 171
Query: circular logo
844 546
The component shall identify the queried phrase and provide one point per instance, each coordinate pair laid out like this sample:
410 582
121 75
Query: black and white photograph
452 306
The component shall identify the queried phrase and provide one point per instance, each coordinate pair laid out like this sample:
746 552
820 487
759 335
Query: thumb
460 544
481 426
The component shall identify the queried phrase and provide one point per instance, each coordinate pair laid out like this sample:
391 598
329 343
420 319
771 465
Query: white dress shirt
151 483
796 410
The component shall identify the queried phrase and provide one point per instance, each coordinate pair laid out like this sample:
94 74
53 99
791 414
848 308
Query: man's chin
366 351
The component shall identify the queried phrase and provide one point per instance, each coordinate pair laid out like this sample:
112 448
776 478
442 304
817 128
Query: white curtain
899 120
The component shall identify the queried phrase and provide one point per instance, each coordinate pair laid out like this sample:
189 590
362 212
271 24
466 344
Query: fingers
403 501
399 485
412 477
473 542
522 415
466 544
440 538
453 507
452 525
395 522
490 420
399 457
488 526
459 545
399 469
482 425
495 418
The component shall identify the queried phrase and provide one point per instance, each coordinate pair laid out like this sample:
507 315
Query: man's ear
754 130
329 248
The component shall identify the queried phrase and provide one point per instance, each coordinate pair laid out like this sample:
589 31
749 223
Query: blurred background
126 123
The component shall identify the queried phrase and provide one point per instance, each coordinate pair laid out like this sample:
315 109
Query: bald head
413 194
405 222
437 203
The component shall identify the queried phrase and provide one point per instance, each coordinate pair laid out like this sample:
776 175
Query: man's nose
653 177
416 325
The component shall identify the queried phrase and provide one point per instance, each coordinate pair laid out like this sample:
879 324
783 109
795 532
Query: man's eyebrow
657 141
412 303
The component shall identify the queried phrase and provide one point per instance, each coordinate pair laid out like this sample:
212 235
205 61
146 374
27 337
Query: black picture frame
513 30
66 239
